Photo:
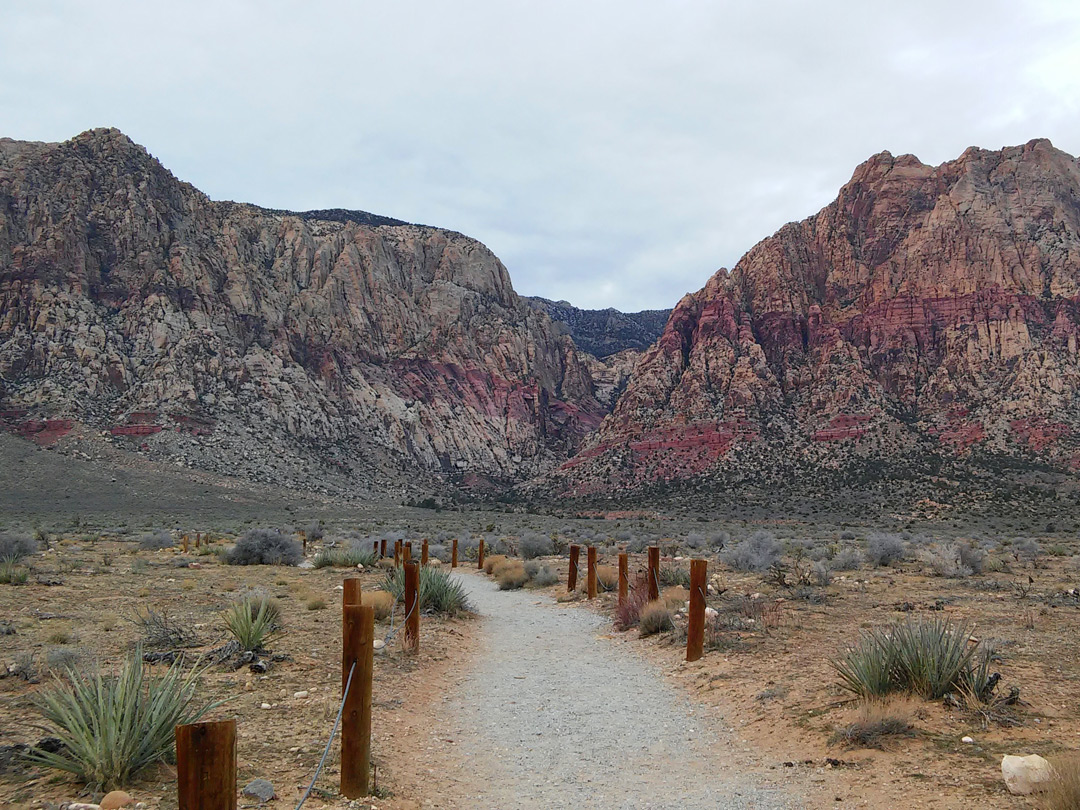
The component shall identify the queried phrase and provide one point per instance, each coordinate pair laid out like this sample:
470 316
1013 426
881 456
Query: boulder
1024 775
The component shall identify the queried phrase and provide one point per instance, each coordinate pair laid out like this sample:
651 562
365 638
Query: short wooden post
695 630
382 547
206 766
453 554
590 573
303 539
571 578
185 544
198 539
424 553
351 594
653 573
408 551
412 605
358 636
480 554
375 547
397 554
624 577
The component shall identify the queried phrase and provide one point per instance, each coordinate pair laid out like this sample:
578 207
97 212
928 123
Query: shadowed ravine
548 714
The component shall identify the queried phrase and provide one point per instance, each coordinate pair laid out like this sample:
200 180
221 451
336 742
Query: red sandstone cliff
926 312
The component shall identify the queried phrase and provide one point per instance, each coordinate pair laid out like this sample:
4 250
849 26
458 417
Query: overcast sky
611 153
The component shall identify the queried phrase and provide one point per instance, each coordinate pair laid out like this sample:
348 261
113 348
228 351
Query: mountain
333 350
924 322
604 332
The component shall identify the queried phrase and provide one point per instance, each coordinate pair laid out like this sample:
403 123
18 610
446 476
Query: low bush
954 560
265 547
655 618
756 553
1062 792
846 559
607 576
12 574
350 556
155 540
15 547
113 727
381 601
160 632
674 575
510 575
254 621
534 545
884 549
314 531
629 612
675 597
439 591
490 561
877 724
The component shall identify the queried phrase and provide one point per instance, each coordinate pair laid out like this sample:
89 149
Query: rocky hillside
928 317
604 332
328 349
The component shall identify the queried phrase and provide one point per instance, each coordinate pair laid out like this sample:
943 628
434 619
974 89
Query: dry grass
510 574
492 561
382 601
655 618
675 597
629 612
878 723
607 576
1063 790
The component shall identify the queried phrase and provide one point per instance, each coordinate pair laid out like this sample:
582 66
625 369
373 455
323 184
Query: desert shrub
655 618
1026 550
846 559
113 727
265 547
545 577
12 574
350 556
381 601
954 560
629 612
437 551
639 544
510 575
439 591
315 604
821 574
675 575
884 549
15 547
158 539
490 561
927 657
314 531
757 553
695 541
254 621
1062 792
161 632
675 597
607 576
876 725
534 545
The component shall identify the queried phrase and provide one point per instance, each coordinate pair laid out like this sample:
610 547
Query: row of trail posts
695 631
201 539
206 752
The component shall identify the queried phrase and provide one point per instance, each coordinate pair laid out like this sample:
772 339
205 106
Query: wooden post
453 554
382 547
185 544
571 578
303 539
695 630
198 539
358 636
412 605
591 572
351 594
206 766
375 547
424 553
480 554
624 578
653 573
408 551
397 554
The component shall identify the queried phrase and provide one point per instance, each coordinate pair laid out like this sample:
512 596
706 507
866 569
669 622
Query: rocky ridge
329 349
927 317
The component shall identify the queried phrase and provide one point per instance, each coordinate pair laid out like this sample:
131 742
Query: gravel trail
551 715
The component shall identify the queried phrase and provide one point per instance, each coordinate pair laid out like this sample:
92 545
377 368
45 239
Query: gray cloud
612 154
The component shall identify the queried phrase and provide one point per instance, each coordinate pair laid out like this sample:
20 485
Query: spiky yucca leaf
439 591
253 621
113 726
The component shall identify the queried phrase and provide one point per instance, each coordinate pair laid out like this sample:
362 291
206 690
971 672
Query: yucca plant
439 591
867 668
113 726
253 621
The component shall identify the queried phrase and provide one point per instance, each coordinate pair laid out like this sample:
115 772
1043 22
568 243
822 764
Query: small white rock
359 566
378 644
265 706
711 613
301 694
339 587
966 740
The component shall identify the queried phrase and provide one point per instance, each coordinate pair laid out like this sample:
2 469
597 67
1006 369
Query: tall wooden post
382 547
424 553
206 766
480 554
453 554
185 544
695 630
624 577
397 554
412 605
358 636
351 594
571 577
408 550
591 572
653 573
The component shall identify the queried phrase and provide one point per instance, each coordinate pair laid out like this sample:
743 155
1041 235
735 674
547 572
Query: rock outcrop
297 348
926 315
604 332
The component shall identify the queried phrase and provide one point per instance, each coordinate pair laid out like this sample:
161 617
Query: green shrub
347 557
926 657
265 547
13 574
253 621
674 575
114 726
439 591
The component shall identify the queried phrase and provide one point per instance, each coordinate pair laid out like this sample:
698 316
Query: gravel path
551 715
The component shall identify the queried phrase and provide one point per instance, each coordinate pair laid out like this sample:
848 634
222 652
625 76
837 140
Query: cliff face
604 332
264 343
926 313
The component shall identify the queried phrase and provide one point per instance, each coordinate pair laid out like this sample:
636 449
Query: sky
610 153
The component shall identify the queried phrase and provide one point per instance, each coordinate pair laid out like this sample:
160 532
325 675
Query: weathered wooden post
185 544
358 636
206 766
424 553
590 572
397 554
653 573
480 554
571 577
375 547
382 547
453 554
351 594
412 605
303 539
408 551
198 539
624 577
695 630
